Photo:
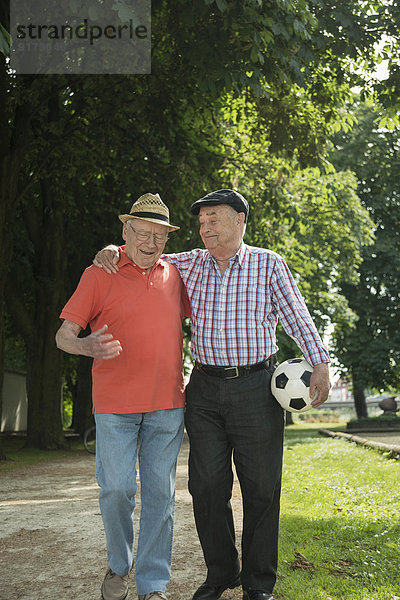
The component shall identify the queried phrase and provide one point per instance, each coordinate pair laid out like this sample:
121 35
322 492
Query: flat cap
230 197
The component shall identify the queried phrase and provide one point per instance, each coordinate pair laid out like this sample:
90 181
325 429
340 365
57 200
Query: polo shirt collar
124 260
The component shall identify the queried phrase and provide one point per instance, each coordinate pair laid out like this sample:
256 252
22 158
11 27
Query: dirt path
52 545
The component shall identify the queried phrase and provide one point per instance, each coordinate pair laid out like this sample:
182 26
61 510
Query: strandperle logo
80 36
84 31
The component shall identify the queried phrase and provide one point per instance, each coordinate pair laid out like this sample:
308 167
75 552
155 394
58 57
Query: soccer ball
290 385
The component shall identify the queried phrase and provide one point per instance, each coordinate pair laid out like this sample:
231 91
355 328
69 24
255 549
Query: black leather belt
233 372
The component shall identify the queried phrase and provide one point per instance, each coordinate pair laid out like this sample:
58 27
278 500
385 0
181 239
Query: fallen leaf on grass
344 563
340 568
301 562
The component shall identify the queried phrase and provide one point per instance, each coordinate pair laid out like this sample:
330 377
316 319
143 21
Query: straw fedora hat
150 207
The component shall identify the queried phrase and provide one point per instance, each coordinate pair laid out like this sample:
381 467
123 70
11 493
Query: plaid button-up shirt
234 315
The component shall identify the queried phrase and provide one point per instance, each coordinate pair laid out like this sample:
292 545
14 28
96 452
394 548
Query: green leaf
222 5
391 545
383 122
5 41
254 54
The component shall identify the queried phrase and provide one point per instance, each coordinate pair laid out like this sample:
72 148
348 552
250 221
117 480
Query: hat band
150 215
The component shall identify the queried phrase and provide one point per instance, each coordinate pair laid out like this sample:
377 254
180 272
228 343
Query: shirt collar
123 259
241 253
239 257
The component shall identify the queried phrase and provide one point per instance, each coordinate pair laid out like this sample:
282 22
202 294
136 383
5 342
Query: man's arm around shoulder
108 259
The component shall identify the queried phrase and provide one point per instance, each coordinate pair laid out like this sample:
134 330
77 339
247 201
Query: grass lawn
340 530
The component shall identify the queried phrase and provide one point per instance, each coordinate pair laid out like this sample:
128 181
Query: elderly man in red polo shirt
138 394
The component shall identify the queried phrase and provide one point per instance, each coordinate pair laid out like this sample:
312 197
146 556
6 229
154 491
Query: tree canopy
242 94
368 346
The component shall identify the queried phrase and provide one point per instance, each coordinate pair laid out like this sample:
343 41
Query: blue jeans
239 419
156 438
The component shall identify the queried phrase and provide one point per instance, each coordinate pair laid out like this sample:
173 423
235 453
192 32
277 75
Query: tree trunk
38 325
360 401
2 454
82 411
14 139
45 394
45 367
288 418
37 319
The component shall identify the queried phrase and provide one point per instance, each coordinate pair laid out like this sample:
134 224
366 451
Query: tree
39 256
312 217
75 145
369 350
67 203
14 144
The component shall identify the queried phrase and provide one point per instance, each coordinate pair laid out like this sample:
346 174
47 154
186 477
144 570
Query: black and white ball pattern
290 385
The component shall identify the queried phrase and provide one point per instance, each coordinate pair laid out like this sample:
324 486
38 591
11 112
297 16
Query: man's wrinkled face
145 241
221 228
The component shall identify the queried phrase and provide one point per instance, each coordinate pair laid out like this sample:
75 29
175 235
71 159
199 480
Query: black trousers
236 418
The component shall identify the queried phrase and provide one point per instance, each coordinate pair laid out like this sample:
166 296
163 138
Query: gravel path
52 545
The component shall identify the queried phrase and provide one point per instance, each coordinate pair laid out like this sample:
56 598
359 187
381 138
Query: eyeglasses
144 236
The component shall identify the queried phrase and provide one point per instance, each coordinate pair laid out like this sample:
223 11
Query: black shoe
256 595
207 591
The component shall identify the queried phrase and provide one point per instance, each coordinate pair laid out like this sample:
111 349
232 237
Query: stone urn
388 405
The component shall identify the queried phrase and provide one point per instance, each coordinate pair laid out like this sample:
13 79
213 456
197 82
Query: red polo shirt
144 312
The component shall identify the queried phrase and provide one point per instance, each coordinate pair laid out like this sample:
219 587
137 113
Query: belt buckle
236 369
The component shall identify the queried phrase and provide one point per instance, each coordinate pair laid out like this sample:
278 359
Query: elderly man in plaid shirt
237 294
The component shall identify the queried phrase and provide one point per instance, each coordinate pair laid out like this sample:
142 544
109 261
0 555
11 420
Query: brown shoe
114 587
